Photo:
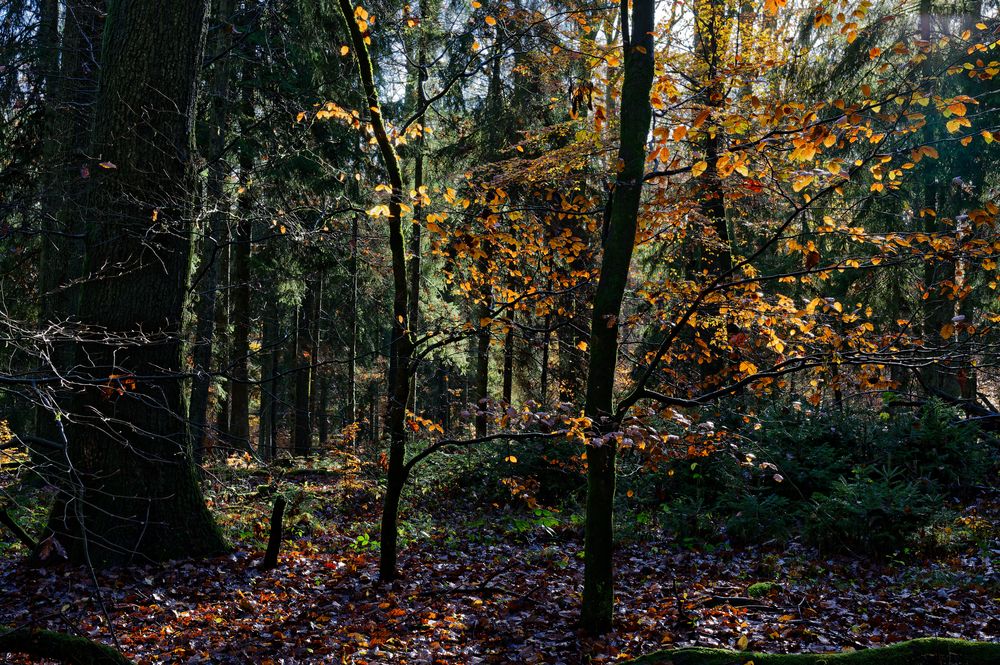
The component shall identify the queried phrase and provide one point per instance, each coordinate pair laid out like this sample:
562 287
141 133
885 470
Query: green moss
761 589
58 646
925 651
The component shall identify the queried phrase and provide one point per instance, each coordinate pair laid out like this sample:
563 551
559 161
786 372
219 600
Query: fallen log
39 643
924 651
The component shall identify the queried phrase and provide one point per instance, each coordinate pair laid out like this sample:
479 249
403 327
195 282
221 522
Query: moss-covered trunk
926 651
58 646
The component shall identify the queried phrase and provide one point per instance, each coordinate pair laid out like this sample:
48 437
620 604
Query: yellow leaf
699 168
957 123
802 182
300 116
742 643
612 60
581 345
511 459
490 20
956 108
345 49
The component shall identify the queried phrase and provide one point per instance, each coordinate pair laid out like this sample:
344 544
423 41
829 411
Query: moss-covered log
59 646
925 651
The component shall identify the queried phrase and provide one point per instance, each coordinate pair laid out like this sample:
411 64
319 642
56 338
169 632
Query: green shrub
754 518
871 512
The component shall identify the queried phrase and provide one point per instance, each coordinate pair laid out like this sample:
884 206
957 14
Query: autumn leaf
699 168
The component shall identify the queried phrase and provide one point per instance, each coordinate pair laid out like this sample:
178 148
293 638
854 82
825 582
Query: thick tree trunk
636 112
133 492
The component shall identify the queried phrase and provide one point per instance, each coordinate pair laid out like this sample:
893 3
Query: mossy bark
924 651
58 646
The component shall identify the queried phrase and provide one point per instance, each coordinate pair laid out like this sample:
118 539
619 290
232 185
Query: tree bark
214 232
239 391
270 346
70 66
302 429
636 113
508 364
132 491
352 329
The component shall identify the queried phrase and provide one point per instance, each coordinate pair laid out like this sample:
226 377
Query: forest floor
484 583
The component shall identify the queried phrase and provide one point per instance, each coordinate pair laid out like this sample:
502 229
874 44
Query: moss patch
761 589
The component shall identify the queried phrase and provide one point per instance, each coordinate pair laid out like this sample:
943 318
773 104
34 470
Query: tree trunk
222 338
508 364
636 112
543 382
352 328
482 375
239 390
133 491
302 430
70 65
317 407
401 345
214 232
270 345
